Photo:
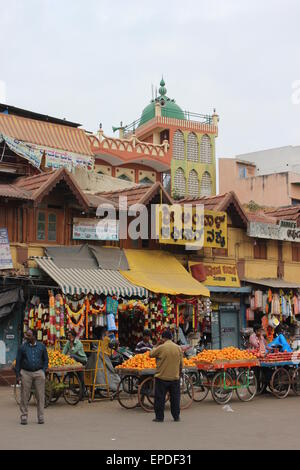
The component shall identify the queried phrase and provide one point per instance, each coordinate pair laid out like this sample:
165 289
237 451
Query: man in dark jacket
31 366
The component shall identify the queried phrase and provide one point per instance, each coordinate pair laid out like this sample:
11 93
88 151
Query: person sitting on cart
144 345
74 349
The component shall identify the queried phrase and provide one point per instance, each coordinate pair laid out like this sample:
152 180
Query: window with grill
206 184
260 249
179 182
178 146
205 150
52 227
192 148
41 226
296 252
193 184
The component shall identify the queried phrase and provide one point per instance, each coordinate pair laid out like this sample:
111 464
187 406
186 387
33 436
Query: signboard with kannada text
223 275
183 225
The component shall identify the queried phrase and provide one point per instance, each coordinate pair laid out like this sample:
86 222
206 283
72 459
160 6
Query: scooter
119 353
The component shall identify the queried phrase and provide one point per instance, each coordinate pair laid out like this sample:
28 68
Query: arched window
205 150
206 184
193 184
192 148
179 182
178 146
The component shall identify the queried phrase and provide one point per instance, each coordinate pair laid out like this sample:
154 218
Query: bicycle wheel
201 385
247 385
186 392
146 393
221 387
280 384
72 388
56 388
296 382
127 392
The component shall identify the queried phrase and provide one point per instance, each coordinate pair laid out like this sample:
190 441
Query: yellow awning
161 272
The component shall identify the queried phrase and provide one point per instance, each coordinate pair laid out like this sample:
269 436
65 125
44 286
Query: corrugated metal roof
46 134
270 282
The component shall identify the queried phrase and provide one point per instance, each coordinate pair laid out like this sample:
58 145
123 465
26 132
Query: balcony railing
188 116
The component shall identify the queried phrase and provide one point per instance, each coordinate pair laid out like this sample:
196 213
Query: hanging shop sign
95 229
223 275
183 225
273 232
5 253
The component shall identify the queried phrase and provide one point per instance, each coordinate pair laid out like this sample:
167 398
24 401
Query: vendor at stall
144 345
257 340
74 349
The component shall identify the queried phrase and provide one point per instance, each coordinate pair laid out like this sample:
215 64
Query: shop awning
275 283
161 272
95 281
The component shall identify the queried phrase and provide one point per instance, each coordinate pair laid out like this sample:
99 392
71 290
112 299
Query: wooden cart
222 378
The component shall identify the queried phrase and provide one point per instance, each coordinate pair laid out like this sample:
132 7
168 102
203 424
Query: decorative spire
162 90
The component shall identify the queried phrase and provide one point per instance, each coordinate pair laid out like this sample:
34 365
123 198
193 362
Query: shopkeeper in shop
144 345
257 340
74 349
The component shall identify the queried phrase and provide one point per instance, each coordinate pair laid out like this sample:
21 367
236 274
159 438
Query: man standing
31 366
167 379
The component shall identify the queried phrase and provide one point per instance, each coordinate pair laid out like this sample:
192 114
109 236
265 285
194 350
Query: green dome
168 107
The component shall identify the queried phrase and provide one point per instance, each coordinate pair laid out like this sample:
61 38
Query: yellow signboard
224 275
183 225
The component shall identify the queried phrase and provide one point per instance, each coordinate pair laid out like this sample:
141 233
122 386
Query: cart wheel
127 392
296 382
201 385
186 392
17 393
247 385
280 384
56 389
146 393
72 388
221 387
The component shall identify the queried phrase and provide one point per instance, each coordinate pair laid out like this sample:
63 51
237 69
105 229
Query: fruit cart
282 369
60 381
223 377
137 388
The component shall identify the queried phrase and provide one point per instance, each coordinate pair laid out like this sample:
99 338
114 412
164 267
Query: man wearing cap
167 378
144 345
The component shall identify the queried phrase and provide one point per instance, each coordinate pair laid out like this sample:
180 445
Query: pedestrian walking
167 378
31 366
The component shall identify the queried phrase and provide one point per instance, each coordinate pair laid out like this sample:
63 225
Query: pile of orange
139 362
189 362
57 359
227 354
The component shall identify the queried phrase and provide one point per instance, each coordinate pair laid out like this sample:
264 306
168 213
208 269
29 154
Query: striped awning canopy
95 281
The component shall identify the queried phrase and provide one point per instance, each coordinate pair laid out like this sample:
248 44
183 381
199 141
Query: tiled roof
36 187
13 192
141 194
261 217
46 134
289 213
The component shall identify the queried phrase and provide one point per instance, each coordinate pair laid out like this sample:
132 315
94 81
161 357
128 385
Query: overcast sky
94 61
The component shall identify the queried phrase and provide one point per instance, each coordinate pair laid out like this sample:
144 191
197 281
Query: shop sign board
95 229
222 275
273 232
5 253
184 225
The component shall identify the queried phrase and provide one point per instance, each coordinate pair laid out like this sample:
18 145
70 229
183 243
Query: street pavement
264 423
